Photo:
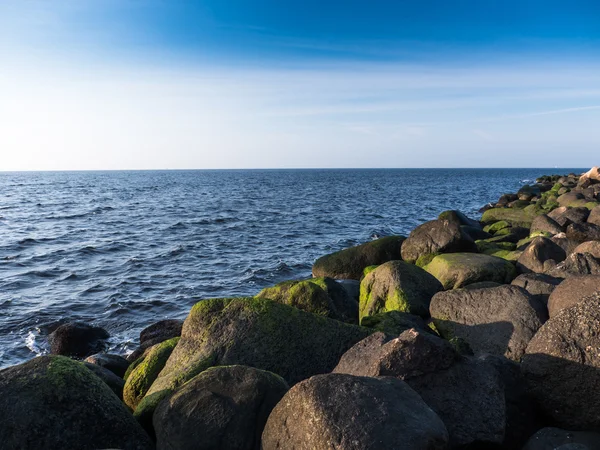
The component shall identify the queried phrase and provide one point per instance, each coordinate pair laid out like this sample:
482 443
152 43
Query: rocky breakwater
464 334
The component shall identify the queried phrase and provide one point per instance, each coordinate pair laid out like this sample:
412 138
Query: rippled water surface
125 249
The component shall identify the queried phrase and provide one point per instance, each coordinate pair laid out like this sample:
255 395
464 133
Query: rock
253 332
455 270
352 288
114 382
539 285
115 363
349 263
221 408
562 366
155 334
53 402
583 232
436 236
591 247
522 418
394 322
576 264
467 394
540 255
459 219
77 339
555 438
572 215
594 217
475 233
499 321
592 174
573 199
146 371
545 224
557 212
516 217
337 411
571 291
397 286
323 296
568 245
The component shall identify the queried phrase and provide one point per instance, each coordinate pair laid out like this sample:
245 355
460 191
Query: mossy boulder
436 236
455 270
323 296
77 339
394 323
397 286
145 372
53 402
254 332
350 263
514 216
496 227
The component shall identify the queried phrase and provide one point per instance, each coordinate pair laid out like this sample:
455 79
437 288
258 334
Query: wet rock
53 402
155 334
571 291
77 339
397 286
466 393
337 411
499 321
350 263
456 270
436 236
562 366
221 408
540 255
115 363
555 438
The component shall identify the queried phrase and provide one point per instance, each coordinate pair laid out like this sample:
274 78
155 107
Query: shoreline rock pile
463 334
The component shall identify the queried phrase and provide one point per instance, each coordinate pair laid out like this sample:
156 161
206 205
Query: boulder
397 286
592 174
221 408
557 212
499 321
514 216
594 217
77 339
539 285
591 247
540 255
459 218
146 371
466 393
544 223
253 332
576 264
338 411
115 363
573 199
323 296
53 402
562 366
352 288
583 232
350 263
573 215
156 333
568 245
394 322
115 383
571 291
436 236
554 438
455 270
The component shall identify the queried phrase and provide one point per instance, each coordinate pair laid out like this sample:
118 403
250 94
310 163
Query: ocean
123 250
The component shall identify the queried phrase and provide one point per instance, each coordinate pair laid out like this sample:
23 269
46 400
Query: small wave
88 250
32 342
27 241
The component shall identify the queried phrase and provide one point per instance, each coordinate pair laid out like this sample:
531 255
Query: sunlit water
125 249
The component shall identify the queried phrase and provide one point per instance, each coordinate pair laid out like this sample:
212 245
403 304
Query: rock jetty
465 334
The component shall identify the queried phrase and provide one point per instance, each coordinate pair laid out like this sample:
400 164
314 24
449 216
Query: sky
209 84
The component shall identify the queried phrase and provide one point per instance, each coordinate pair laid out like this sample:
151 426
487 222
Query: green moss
132 366
425 259
515 217
367 270
591 205
142 376
497 226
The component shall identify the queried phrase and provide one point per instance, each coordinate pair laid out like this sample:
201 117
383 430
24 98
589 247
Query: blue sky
132 84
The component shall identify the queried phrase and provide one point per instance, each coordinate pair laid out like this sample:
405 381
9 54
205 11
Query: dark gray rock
499 321
436 236
338 412
571 291
115 363
394 322
53 402
576 264
539 285
568 245
540 255
582 232
77 339
115 383
573 215
352 288
543 223
222 408
555 438
155 334
562 366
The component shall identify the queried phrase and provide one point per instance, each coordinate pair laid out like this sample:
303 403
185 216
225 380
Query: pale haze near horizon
95 105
